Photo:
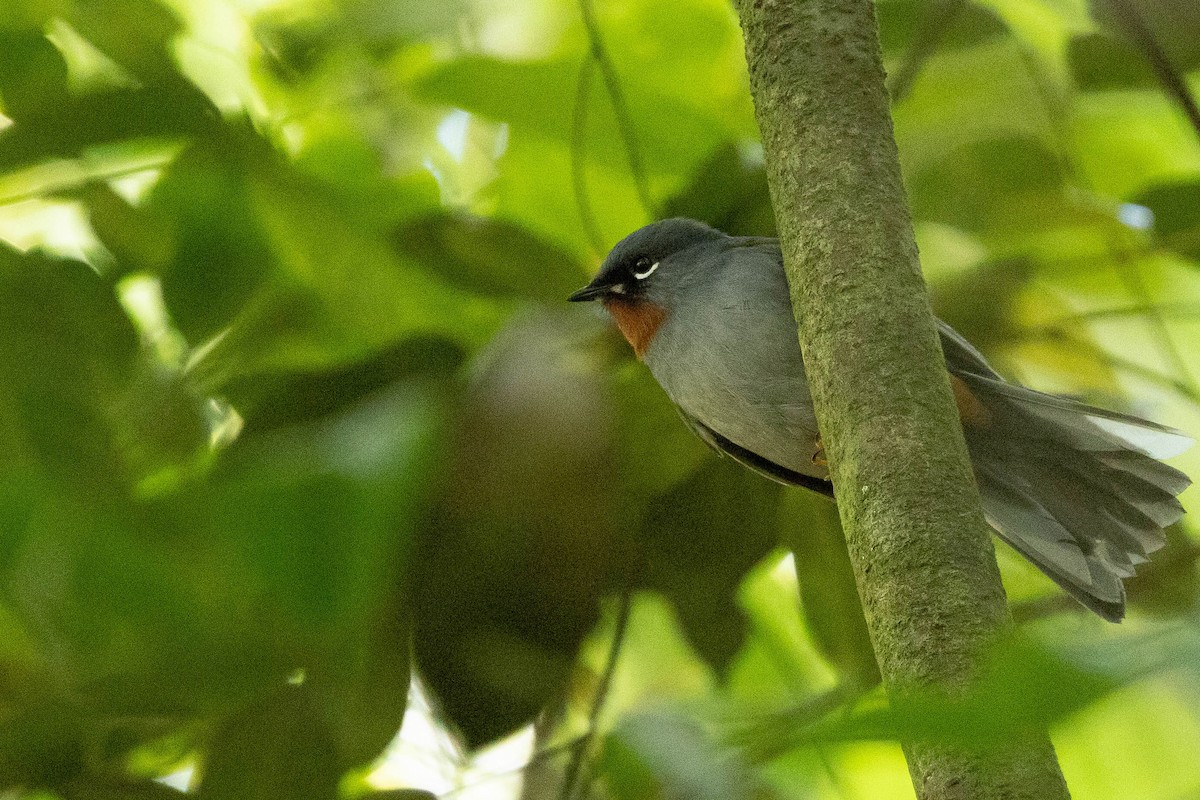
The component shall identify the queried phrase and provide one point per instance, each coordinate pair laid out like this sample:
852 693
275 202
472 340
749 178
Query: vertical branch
921 552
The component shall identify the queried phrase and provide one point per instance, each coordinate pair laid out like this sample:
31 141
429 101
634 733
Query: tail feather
1153 474
1088 427
1031 530
1077 490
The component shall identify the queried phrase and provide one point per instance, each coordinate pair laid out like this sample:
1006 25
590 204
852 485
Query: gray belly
754 394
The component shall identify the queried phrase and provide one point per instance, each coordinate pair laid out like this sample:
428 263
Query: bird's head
638 281
647 264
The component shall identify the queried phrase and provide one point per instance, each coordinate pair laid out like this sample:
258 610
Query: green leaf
491 256
1099 62
41 740
136 34
900 21
219 254
68 353
1176 208
700 539
999 190
523 540
277 399
96 788
535 97
965 96
1025 688
1128 141
278 749
69 129
669 754
729 192
33 73
828 592
286 294
1174 26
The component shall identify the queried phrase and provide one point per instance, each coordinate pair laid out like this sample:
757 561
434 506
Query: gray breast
728 355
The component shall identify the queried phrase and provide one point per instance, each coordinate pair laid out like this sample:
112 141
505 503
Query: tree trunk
922 555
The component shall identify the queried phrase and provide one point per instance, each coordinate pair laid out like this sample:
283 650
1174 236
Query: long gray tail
1077 490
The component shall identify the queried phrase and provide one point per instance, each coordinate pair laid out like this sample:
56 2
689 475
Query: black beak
592 291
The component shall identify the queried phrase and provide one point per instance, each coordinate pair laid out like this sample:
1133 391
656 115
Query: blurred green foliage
291 406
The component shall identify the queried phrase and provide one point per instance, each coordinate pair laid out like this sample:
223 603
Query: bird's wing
753 461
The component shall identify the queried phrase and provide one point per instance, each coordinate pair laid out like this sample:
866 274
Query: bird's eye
643 268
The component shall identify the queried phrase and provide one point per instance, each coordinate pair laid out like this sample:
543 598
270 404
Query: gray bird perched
1077 490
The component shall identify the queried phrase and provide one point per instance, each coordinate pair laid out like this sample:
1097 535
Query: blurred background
299 439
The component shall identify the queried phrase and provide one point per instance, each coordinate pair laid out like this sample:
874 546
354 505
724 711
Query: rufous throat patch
639 320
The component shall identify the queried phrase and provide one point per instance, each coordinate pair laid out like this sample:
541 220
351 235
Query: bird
1079 491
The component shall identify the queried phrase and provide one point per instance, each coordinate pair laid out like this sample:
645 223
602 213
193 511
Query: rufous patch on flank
639 320
971 410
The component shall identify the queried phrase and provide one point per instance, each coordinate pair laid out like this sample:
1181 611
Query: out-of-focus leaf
1176 208
975 94
67 352
981 301
298 45
700 539
520 548
1169 585
92 788
665 754
834 614
33 73
491 257
900 21
536 96
138 242
68 129
1015 188
354 176
220 254
279 749
365 696
273 400
655 449
1025 688
136 34
1128 141
729 192
1100 62
41 741
1173 24
292 273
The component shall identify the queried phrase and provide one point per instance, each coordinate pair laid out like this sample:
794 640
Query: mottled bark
922 555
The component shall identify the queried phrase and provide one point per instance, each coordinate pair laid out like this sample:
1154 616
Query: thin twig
1122 256
574 784
579 157
1053 334
1172 82
1177 310
766 738
1135 284
620 109
534 758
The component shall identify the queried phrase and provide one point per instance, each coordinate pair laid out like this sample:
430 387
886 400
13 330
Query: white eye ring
641 276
